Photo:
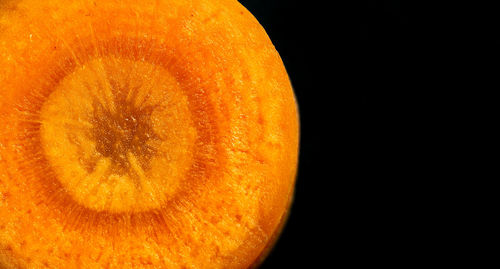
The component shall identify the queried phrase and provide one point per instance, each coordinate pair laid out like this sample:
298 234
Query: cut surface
119 141
159 133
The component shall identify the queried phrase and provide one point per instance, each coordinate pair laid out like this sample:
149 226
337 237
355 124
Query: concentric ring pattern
141 133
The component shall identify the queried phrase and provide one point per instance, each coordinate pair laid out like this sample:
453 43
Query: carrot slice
157 133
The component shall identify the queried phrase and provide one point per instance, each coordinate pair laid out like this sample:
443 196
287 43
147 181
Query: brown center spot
123 128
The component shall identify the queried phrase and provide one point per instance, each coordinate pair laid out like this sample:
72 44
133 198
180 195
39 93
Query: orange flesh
158 134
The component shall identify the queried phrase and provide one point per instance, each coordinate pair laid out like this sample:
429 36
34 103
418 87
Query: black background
348 65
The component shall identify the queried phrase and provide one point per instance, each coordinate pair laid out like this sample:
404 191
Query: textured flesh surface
158 134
